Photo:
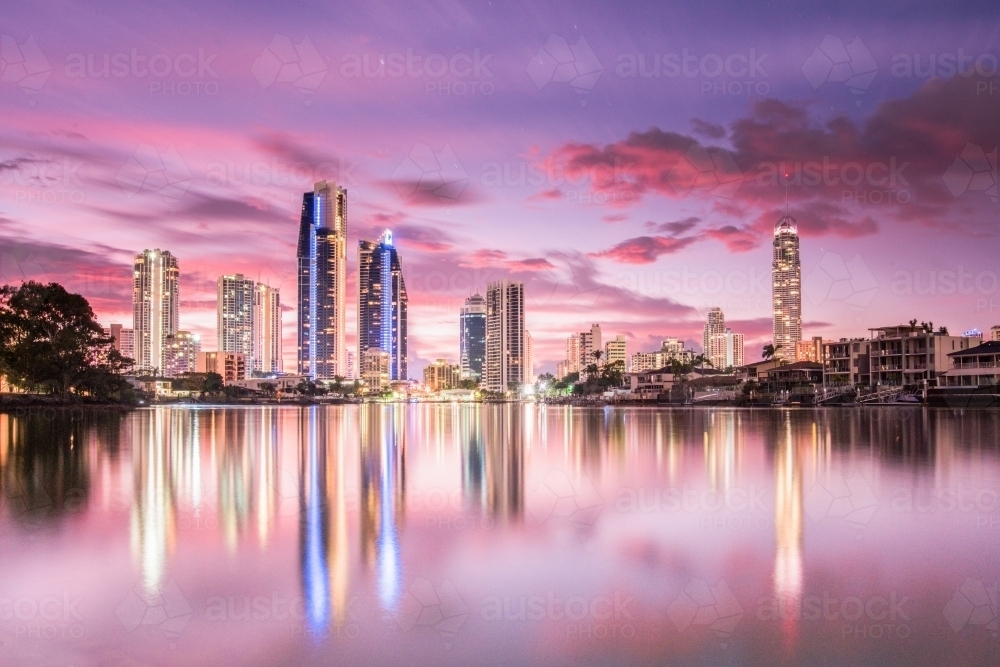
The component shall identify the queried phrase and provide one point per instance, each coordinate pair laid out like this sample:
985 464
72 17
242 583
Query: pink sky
636 202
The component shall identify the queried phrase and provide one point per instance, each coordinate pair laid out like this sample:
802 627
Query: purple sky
624 161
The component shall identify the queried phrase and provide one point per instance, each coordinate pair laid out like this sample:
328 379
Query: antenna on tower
786 195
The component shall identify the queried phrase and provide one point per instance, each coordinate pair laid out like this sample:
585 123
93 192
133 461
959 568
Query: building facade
124 339
908 355
375 370
232 366
505 344
725 350
846 362
322 282
715 324
472 336
266 357
616 351
590 342
181 353
810 350
155 303
234 314
382 303
976 366
572 355
442 374
786 288
995 332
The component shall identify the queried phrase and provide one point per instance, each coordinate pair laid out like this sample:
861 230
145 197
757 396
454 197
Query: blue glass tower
382 303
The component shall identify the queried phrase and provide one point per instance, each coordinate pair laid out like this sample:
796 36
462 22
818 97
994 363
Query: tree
769 351
701 360
50 340
468 383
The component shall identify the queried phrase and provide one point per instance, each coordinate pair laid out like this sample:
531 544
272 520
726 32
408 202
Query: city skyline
650 202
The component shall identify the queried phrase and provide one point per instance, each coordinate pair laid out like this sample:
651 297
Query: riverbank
10 403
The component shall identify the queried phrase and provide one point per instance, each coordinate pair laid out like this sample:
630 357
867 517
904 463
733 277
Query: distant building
181 353
232 366
267 330
616 351
155 303
124 339
573 354
442 374
505 344
846 362
472 336
562 369
725 350
375 370
715 325
590 342
995 333
322 282
786 288
529 359
907 355
382 303
234 314
671 348
810 350
352 365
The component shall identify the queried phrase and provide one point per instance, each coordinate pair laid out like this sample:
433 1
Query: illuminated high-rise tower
382 303
235 311
266 329
322 282
472 336
155 280
786 288
715 324
505 341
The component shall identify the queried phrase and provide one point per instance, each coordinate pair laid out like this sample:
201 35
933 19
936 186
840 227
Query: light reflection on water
441 533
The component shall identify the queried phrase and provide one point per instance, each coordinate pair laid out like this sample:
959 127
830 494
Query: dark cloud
674 228
706 129
644 249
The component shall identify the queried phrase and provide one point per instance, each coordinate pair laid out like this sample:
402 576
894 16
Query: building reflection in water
788 525
383 495
154 511
722 451
470 435
504 463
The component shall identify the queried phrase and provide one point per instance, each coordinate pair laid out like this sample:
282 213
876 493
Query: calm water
500 535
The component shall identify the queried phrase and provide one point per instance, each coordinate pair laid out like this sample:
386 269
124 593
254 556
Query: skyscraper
266 330
124 339
590 342
786 288
529 359
382 303
505 367
235 310
715 324
725 350
180 353
616 351
322 281
573 354
155 279
472 336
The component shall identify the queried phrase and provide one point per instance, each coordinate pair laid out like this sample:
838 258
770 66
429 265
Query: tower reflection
383 495
788 527
504 463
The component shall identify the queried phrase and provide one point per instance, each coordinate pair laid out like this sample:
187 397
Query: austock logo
164 610
284 62
440 608
973 605
23 64
833 279
835 62
18 263
151 170
850 498
701 604
559 498
974 170
559 62
425 172
710 170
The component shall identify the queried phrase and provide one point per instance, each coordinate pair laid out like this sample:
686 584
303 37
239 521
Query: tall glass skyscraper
382 303
472 336
322 282
786 288
505 343
155 279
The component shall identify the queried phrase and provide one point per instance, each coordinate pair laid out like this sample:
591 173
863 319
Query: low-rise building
995 332
375 370
810 350
232 366
846 362
279 383
974 367
442 374
910 355
650 383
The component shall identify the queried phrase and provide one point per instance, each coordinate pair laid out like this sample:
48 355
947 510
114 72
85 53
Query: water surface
500 535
